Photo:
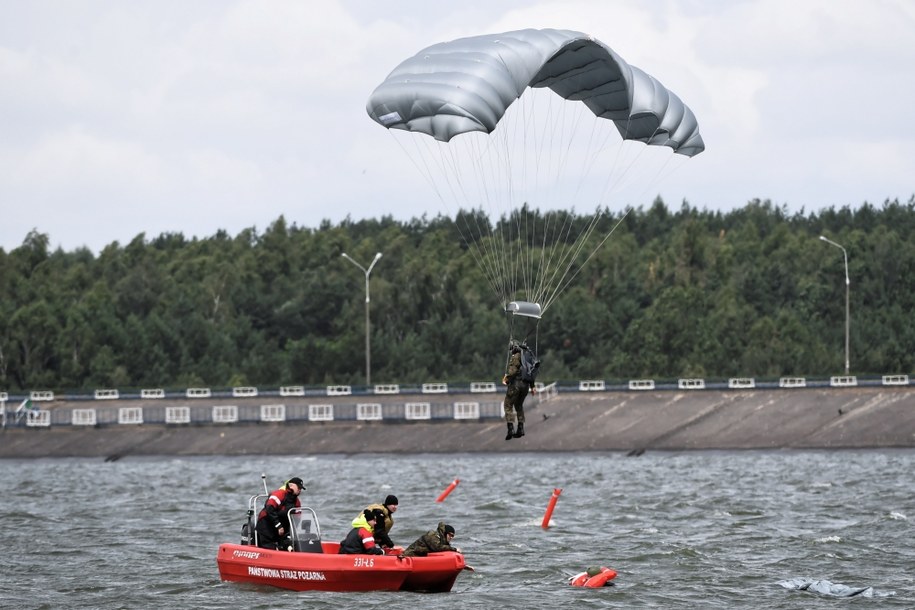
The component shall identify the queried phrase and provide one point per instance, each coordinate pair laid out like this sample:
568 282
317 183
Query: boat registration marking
285 574
363 562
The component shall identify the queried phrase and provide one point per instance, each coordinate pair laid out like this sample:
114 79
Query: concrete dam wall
823 418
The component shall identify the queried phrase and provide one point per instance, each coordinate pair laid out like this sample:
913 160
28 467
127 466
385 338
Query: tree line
751 292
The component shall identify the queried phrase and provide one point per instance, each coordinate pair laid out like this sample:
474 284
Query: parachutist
519 380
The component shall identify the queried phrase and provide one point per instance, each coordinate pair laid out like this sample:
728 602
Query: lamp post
847 319
368 350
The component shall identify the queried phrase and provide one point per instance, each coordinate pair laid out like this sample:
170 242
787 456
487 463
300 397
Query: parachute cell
467 85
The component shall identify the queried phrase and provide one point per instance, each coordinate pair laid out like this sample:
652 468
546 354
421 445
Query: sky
166 116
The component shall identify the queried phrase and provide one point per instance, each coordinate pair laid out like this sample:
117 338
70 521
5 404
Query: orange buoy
549 508
448 490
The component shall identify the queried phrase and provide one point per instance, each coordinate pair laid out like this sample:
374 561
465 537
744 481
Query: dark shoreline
809 418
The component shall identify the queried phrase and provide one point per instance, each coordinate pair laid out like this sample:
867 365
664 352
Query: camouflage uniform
432 541
516 391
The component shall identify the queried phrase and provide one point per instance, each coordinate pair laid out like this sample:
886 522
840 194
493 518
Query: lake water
684 530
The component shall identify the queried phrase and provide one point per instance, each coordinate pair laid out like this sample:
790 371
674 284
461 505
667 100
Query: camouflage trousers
514 401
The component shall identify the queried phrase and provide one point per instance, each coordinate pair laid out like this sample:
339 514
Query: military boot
511 431
520 431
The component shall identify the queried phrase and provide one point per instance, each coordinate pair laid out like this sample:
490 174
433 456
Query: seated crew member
360 540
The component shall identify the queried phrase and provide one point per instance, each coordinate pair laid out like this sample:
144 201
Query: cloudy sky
151 116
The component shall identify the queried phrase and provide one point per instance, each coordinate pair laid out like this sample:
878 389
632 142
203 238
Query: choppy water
684 530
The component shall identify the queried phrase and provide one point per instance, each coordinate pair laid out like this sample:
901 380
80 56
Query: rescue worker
361 540
385 522
273 520
515 392
433 541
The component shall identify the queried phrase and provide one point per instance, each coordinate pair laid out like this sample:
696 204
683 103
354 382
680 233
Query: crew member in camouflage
515 392
433 541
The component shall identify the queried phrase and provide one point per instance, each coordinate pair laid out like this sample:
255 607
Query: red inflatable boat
314 565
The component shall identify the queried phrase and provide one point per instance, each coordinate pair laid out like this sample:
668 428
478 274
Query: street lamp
845 256
368 351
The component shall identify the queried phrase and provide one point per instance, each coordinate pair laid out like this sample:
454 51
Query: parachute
495 125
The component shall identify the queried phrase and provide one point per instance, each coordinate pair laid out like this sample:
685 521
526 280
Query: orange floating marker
549 508
448 490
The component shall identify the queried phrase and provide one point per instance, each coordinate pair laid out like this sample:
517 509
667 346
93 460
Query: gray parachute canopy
467 84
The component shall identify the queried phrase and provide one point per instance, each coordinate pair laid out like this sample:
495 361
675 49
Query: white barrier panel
339 390
391 388
641 384
482 386
736 383
83 417
273 412
368 411
843 381
198 393
418 410
130 415
38 419
691 384
596 385
106 395
547 392
152 393
466 410
320 412
225 414
435 388
244 392
887 380
41 396
292 390
792 382
177 415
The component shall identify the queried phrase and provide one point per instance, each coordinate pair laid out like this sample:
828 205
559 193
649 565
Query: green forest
751 292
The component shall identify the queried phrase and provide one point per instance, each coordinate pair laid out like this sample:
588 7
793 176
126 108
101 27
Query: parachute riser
530 311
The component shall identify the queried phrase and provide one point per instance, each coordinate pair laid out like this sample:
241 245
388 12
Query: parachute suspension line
559 254
566 260
659 174
481 160
563 250
565 284
426 153
551 152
